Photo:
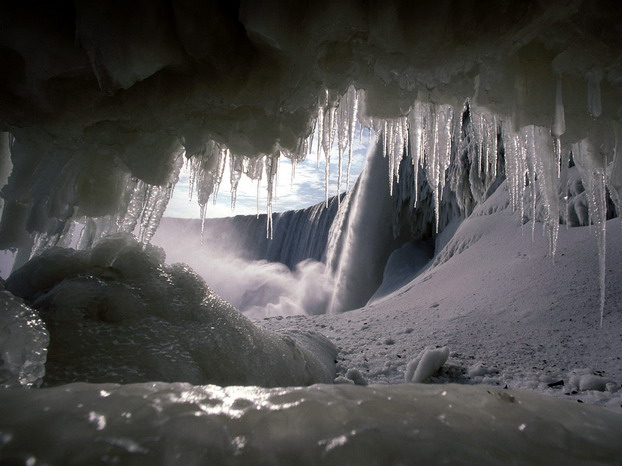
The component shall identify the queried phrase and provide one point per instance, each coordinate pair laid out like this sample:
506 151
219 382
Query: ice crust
117 313
160 423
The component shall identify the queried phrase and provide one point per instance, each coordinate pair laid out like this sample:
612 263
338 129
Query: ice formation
23 344
117 313
101 101
96 132
426 364
159 423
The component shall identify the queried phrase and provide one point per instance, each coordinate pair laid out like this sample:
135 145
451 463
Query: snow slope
510 314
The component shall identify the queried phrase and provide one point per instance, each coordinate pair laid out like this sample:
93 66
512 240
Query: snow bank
117 313
158 423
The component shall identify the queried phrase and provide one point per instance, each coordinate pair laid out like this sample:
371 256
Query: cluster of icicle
142 207
335 125
536 164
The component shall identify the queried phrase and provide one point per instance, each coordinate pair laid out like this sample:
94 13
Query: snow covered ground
510 314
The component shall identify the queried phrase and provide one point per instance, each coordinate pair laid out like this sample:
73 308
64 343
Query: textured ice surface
160 423
116 313
23 344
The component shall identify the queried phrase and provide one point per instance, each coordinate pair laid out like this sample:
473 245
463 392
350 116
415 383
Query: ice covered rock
117 313
23 344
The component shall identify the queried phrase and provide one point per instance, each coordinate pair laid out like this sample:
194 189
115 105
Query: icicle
416 121
559 122
546 163
157 200
342 131
563 181
272 166
495 147
387 151
221 154
191 177
329 128
438 155
309 142
236 167
203 208
353 117
592 170
136 192
384 139
293 175
516 167
320 132
594 104
258 195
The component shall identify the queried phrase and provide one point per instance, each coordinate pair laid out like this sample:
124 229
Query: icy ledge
159 423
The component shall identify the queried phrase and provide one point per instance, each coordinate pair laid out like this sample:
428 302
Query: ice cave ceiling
95 96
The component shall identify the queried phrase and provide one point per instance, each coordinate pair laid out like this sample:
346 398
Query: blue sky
307 188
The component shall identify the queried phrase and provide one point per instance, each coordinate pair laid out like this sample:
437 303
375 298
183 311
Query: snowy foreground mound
118 314
164 424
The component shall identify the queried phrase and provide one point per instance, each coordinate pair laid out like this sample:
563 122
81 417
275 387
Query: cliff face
296 234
